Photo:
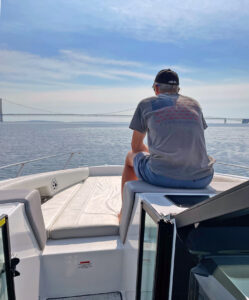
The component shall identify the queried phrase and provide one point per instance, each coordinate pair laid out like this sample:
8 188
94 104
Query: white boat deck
85 202
78 225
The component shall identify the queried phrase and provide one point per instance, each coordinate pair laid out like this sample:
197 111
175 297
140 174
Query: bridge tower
1 111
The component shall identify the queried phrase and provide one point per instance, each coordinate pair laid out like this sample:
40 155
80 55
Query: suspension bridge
120 114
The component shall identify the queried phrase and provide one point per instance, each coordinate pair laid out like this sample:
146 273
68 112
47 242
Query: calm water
102 143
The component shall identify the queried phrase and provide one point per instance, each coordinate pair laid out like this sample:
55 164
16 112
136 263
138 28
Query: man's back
175 130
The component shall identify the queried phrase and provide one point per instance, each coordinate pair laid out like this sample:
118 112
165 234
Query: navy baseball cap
167 76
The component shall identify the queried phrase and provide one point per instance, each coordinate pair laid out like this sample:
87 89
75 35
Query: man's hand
137 144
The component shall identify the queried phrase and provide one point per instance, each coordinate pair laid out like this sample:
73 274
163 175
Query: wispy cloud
65 68
83 58
72 68
133 74
174 20
160 20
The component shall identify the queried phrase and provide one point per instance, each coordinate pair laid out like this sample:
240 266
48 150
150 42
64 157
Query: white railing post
67 162
69 159
20 170
1 110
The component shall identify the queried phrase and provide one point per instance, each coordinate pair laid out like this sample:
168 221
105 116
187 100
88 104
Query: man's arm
137 142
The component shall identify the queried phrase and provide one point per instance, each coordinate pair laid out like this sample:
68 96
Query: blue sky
101 56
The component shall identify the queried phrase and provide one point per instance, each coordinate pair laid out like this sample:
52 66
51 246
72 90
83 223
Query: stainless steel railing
23 163
232 165
70 156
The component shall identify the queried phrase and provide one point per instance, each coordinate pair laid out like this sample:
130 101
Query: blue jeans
142 170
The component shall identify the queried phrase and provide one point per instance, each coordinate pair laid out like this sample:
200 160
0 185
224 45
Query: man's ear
157 91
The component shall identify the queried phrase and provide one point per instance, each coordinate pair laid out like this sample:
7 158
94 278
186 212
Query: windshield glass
225 239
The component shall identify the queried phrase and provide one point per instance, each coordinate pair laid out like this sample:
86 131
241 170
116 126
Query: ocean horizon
101 143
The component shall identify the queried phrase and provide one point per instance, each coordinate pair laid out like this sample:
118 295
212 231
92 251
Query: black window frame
165 238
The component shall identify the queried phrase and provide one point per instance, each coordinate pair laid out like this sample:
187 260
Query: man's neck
168 93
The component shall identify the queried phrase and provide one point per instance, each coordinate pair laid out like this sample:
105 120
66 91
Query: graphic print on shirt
182 110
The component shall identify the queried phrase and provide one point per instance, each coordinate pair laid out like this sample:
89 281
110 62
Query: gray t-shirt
175 130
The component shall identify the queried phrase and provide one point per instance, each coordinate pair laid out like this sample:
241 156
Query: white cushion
90 209
52 209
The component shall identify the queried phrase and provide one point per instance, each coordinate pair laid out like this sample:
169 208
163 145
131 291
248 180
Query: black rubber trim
7 258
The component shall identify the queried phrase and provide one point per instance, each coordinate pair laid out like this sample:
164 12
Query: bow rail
70 156
232 165
23 163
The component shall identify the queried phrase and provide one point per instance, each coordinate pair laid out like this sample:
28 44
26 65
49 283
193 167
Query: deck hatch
187 200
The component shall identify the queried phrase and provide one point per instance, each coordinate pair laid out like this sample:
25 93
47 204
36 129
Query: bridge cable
30 107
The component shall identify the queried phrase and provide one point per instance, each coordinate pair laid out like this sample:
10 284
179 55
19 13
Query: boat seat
88 209
219 184
32 204
139 186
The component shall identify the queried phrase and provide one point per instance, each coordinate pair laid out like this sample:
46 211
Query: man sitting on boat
176 155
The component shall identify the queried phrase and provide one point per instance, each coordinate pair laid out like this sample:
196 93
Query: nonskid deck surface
108 296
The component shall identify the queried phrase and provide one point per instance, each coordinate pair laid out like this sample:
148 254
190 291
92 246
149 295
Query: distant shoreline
107 123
